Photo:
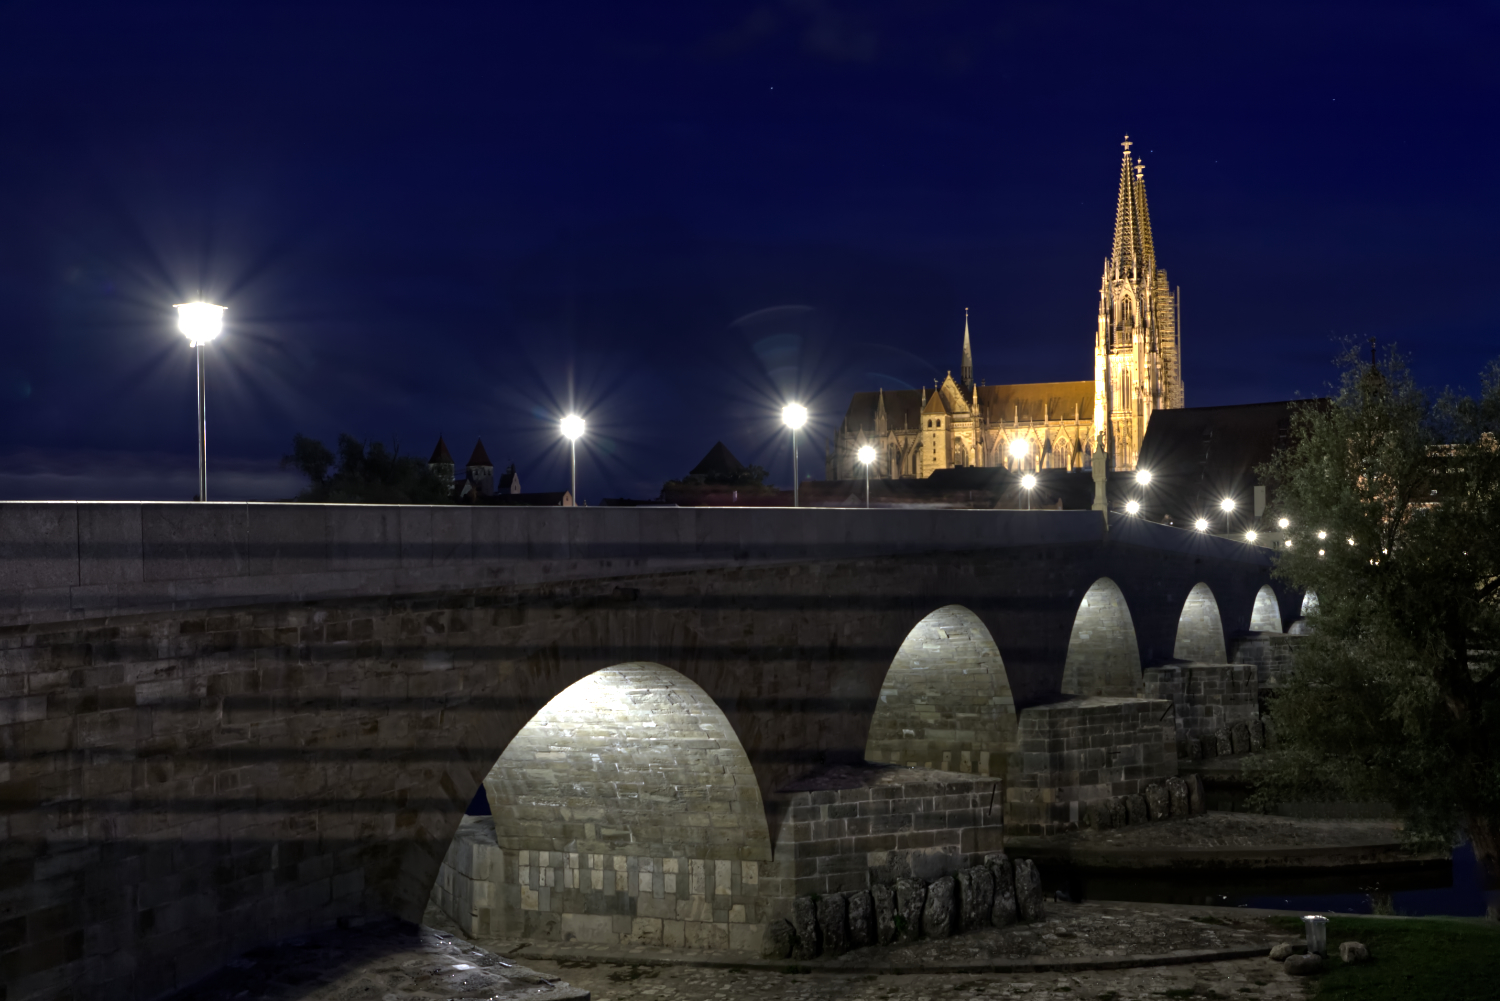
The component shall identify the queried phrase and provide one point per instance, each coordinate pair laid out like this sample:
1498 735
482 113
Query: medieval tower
1137 356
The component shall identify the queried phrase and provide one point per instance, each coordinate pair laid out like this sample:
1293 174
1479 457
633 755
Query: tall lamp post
794 415
867 456
572 429
200 322
1028 482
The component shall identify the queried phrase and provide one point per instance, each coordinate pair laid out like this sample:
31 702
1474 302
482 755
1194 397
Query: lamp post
200 322
794 415
572 429
867 456
1029 483
1019 449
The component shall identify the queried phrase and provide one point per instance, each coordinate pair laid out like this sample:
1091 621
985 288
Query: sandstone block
940 909
1029 905
1004 871
1281 950
805 926
777 940
1119 814
833 924
1354 952
976 897
1177 793
1096 816
1239 737
1136 808
1158 802
911 896
883 901
861 919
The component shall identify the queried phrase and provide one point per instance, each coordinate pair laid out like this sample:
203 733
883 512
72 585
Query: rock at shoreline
833 924
1029 891
1354 952
1304 965
1281 950
805 926
1177 793
1196 803
861 919
939 909
883 902
777 940
1158 803
911 895
976 897
1136 807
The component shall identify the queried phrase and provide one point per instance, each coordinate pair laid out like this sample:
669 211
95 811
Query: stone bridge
227 723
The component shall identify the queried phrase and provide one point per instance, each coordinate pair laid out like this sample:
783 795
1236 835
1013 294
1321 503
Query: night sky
468 218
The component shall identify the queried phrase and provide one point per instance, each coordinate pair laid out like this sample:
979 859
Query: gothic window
940 422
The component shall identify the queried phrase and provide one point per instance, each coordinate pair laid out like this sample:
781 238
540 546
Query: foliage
365 474
1394 502
1411 959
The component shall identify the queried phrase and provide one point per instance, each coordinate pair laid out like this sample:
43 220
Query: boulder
911 895
1354 952
1257 736
1225 742
1191 749
861 919
1119 814
1158 802
1003 914
1210 746
1094 817
1281 950
976 897
1029 891
1177 793
1196 803
1239 737
777 940
1304 965
805 927
1137 809
1003 870
833 924
940 911
883 901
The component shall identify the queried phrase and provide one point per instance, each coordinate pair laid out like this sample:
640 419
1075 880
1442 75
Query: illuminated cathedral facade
1048 425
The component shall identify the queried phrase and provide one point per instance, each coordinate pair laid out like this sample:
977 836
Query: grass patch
1411 959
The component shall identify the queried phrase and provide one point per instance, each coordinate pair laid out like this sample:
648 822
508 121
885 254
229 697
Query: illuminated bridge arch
1103 656
1265 617
1200 629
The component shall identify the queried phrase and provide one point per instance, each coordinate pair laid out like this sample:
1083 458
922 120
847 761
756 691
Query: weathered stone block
833 924
883 902
861 919
1257 736
939 912
1136 807
1158 802
1177 793
1239 737
1225 743
911 897
1197 803
805 925
1029 906
976 896
777 940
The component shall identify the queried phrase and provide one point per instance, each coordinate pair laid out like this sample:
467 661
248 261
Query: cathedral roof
441 453
1036 401
480 456
903 409
1133 253
719 462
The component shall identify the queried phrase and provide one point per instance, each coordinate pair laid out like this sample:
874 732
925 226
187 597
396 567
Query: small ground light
1322 535
1350 541
1201 524
1287 543
1227 503
1320 552
1143 476
1132 507
1283 523
1250 535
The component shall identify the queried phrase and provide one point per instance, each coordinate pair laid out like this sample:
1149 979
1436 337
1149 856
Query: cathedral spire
1133 254
966 370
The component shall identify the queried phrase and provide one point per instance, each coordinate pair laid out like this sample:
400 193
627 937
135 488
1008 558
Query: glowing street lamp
1227 504
1028 483
1283 523
1019 449
1132 507
867 456
1250 535
1143 477
200 322
794 415
1201 524
572 429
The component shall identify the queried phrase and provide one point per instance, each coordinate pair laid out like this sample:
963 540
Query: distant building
961 423
478 483
510 481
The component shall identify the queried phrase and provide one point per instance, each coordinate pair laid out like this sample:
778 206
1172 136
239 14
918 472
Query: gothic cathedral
1050 425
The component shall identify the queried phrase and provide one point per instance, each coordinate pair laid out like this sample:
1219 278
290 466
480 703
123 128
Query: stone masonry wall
1206 698
1103 657
946 702
1200 629
1270 654
1072 753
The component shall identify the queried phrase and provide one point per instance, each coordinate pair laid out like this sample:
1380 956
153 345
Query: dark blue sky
461 217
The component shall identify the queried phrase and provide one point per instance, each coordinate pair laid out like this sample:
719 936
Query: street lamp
1250 535
572 429
1132 507
200 322
867 456
1227 504
1201 524
1019 449
1028 482
1143 477
794 415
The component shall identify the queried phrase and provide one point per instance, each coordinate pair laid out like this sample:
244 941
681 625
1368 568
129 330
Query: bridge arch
1265 617
946 701
630 784
1200 629
1103 655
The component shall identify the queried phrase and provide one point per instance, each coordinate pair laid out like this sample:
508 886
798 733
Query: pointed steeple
1133 254
880 415
966 370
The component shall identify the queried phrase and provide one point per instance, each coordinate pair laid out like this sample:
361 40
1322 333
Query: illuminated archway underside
1265 617
625 811
946 701
1200 630
1103 655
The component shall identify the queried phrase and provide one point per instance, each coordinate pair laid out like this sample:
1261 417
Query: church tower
1137 354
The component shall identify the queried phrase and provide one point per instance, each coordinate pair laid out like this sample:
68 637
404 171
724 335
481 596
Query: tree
1393 497
366 474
